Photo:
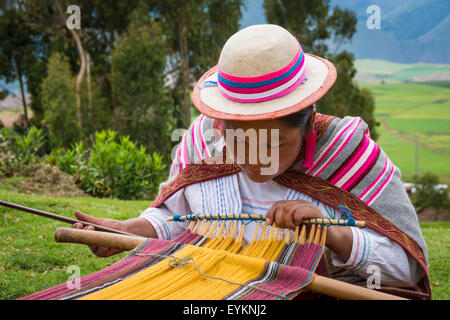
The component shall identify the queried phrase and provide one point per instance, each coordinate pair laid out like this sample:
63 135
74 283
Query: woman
276 156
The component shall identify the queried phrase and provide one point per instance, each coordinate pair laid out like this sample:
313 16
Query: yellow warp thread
161 281
221 256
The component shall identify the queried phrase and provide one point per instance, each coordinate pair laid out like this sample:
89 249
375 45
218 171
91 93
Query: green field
402 153
375 71
416 111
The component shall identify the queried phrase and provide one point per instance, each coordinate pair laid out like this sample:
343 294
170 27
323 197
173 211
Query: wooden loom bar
102 239
319 284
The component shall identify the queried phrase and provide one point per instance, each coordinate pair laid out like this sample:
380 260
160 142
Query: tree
82 56
314 25
102 23
102 18
144 103
58 96
196 31
427 195
16 50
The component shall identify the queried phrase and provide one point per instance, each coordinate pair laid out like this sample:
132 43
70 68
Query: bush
70 161
428 194
18 152
113 169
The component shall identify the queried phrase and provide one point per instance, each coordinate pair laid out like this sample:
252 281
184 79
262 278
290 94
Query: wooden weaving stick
58 217
319 284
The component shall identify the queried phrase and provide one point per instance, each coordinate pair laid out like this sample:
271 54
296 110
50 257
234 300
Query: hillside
372 71
411 31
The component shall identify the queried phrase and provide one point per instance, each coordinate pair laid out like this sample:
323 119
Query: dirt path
406 138
9 119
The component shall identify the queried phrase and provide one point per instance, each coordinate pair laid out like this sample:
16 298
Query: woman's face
262 149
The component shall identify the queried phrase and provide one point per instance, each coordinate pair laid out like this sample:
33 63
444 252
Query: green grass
30 259
437 237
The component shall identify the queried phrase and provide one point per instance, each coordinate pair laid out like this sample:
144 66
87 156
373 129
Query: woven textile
277 265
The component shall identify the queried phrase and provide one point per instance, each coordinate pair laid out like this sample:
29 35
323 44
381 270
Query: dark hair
300 119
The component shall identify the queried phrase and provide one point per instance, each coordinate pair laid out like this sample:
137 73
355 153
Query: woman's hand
137 226
114 224
290 213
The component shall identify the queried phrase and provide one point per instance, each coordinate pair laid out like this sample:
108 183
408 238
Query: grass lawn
30 259
437 237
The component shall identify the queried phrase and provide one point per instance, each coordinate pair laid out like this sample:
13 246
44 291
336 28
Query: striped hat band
264 87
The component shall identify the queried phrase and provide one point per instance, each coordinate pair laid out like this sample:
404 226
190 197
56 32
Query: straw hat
262 73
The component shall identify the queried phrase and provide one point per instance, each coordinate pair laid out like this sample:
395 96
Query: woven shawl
349 169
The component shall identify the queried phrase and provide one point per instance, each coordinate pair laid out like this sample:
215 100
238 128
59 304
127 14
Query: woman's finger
290 213
102 252
85 217
289 218
270 213
106 252
298 217
279 216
